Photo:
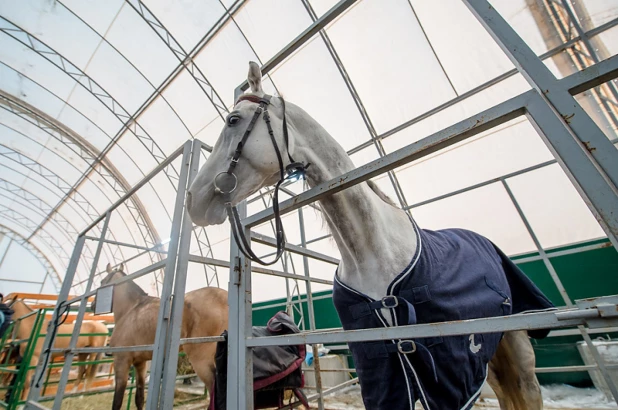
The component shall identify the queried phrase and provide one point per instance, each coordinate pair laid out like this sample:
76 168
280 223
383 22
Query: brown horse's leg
91 370
81 370
121 376
140 384
202 358
511 373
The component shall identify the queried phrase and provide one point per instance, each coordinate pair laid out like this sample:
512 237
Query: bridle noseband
226 181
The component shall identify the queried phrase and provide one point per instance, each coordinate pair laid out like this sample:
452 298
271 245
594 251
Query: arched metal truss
51 272
98 164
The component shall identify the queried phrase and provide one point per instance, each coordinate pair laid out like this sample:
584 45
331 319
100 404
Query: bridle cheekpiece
226 181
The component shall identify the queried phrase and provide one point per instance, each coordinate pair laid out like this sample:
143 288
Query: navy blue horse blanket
454 274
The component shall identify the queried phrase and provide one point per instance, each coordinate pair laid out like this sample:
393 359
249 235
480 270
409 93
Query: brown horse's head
112 273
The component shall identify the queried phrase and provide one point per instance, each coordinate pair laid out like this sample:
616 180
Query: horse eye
233 119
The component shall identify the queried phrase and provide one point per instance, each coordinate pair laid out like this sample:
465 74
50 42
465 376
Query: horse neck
372 252
126 296
24 326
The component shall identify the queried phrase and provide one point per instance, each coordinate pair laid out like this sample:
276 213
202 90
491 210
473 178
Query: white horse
361 219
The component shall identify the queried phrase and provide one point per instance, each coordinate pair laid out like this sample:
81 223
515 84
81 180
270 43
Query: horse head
112 273
250 153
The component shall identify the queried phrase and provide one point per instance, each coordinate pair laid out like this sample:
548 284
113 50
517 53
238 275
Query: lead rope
237 226
228 182
58 321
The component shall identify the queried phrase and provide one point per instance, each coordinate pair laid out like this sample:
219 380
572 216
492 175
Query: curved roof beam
52 273
37 205
51 177
89 153
22 220
231 11
129 122
181 55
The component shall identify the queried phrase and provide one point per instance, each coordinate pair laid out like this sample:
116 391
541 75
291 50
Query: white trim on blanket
478 393
417 255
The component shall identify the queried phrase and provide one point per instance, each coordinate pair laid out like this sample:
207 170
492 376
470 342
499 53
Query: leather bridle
226 181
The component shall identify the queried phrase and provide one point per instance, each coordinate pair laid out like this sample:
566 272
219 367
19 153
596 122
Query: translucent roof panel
360 36
94 95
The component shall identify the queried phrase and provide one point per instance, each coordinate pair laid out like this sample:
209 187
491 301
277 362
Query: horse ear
255 78
109 268
121 268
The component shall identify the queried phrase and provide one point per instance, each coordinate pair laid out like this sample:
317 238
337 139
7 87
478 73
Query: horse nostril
188 200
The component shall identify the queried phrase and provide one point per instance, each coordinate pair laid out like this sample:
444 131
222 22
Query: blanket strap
406 298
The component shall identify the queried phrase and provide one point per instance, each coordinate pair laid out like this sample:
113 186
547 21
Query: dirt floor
103 401
554 397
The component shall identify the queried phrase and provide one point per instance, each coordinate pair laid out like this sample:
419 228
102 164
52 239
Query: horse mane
381 194
376 190
132 288
15 300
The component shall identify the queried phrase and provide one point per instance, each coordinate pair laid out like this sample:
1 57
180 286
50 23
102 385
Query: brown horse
25 328
205 313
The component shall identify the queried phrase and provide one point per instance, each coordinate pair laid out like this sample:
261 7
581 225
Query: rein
59 320
226 181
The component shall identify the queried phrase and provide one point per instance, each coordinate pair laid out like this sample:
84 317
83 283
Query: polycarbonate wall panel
188 21
321 93
361 36
54 24
556 212
469 56
190 103
285 20
224 61
24 60
403 57
140 45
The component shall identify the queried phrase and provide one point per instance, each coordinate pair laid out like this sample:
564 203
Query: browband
253 98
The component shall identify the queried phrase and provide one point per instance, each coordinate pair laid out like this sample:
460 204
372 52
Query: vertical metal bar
541 78
171 362
24 370
233 335
35 390
539 247
6 251
316 359
589 48
240 358
288 298
598 193
562 106
158 353
44 279
567 300
68 357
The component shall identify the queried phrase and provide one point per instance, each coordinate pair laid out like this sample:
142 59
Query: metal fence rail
579 146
